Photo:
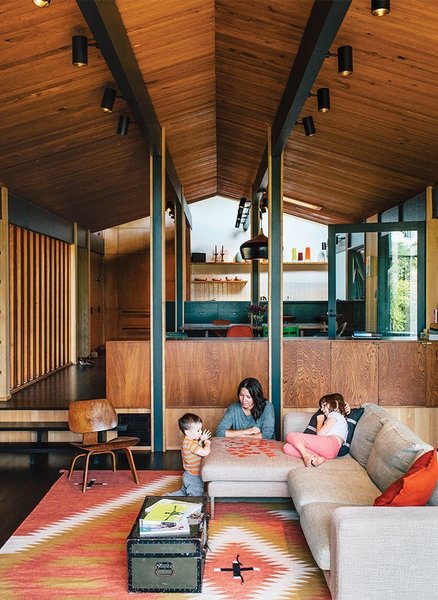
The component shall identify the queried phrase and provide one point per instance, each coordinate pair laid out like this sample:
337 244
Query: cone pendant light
256 247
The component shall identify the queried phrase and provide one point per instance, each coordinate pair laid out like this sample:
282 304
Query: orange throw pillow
416 487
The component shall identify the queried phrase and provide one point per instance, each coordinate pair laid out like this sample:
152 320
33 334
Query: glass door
377 278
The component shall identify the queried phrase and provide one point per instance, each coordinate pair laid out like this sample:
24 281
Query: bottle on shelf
322 256
294 254
307 253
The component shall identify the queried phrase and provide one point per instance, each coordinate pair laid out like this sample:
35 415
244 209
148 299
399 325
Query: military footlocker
171 563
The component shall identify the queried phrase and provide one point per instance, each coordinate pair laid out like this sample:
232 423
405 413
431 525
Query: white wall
213 224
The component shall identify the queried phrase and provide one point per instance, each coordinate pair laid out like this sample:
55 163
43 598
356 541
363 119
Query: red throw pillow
416 487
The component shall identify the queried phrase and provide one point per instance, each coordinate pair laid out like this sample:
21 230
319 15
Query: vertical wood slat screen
39 283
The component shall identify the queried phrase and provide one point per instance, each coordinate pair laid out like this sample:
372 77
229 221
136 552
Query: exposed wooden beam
106 25
324 22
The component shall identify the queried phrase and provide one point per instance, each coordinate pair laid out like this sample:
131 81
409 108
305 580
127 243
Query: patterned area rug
73 546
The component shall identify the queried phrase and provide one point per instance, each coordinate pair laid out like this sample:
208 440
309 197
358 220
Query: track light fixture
123 126
242 212
42 3
108 99
79 50
323 95
309 126
379 8
345 60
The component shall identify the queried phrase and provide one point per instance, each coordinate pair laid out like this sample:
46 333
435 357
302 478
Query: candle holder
222 254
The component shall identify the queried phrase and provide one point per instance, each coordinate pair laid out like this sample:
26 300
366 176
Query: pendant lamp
256 247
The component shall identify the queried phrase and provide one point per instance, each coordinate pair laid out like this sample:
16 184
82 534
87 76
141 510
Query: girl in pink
331 433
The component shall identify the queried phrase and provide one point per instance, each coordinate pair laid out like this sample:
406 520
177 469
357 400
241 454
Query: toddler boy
196 444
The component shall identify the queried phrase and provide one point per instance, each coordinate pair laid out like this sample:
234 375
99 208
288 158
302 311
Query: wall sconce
79 50
309 126
345 60
108 99
42 3
323 96
379 8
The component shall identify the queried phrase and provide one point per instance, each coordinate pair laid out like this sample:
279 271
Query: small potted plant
256 313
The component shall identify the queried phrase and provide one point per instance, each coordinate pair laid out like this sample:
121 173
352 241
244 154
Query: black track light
345 60
108 99
79 49
323 96
309 126
379 8
42 3
123 126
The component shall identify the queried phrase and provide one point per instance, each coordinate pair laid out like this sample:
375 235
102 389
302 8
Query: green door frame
333 230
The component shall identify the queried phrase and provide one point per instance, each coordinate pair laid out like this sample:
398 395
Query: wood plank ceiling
216 71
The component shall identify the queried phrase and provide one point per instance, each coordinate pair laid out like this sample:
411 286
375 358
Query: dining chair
89 417
240 331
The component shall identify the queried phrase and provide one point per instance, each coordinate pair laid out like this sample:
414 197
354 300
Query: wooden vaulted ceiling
215 72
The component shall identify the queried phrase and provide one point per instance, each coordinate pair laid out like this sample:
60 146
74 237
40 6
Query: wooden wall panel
306 374
432 375
402 374
422 420
128 374
354 372
210 420
207 372
39 272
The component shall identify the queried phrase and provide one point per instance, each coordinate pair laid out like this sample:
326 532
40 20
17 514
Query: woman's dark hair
255 391
334 401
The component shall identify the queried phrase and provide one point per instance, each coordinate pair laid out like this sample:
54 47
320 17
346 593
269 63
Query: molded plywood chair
88 417
240 331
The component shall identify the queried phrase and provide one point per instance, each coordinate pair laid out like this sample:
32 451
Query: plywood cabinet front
354 371
306 372
402 374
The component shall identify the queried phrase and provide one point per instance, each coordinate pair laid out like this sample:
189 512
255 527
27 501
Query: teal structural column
157 288
275 249
255 271
180 248
331 258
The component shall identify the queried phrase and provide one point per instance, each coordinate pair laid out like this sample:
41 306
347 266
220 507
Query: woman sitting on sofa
251 416
331 433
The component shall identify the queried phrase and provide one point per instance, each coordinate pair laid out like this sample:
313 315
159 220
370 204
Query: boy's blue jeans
192 485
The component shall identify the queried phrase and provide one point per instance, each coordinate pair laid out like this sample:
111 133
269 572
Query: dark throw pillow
352 419
311 427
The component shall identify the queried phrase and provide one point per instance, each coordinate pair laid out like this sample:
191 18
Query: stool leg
113 456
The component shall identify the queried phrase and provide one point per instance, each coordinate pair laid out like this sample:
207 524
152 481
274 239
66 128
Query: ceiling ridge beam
110 35
324 22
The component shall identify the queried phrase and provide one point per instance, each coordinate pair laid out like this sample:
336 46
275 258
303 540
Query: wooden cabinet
306 372
402 374
354 371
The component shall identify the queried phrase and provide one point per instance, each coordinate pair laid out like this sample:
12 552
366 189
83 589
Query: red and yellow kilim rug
73 546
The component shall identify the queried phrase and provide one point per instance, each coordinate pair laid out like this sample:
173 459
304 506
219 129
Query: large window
381 268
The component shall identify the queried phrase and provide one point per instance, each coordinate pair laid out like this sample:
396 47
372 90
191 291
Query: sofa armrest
384 552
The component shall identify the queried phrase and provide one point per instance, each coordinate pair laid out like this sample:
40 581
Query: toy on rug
237 569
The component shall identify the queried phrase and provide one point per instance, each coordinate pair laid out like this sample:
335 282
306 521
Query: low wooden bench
41 428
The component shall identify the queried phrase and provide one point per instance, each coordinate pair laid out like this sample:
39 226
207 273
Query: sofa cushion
315 521
241 459
416 487
366 431
394 450
295 421
341 480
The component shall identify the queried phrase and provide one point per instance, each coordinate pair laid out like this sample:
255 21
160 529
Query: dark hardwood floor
22 485
24 482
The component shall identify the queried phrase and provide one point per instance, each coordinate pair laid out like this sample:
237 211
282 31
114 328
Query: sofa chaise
366 552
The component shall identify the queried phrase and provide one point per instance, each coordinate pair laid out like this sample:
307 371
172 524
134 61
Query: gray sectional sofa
365 552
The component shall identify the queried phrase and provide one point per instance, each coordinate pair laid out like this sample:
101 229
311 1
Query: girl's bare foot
315 461
307 460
